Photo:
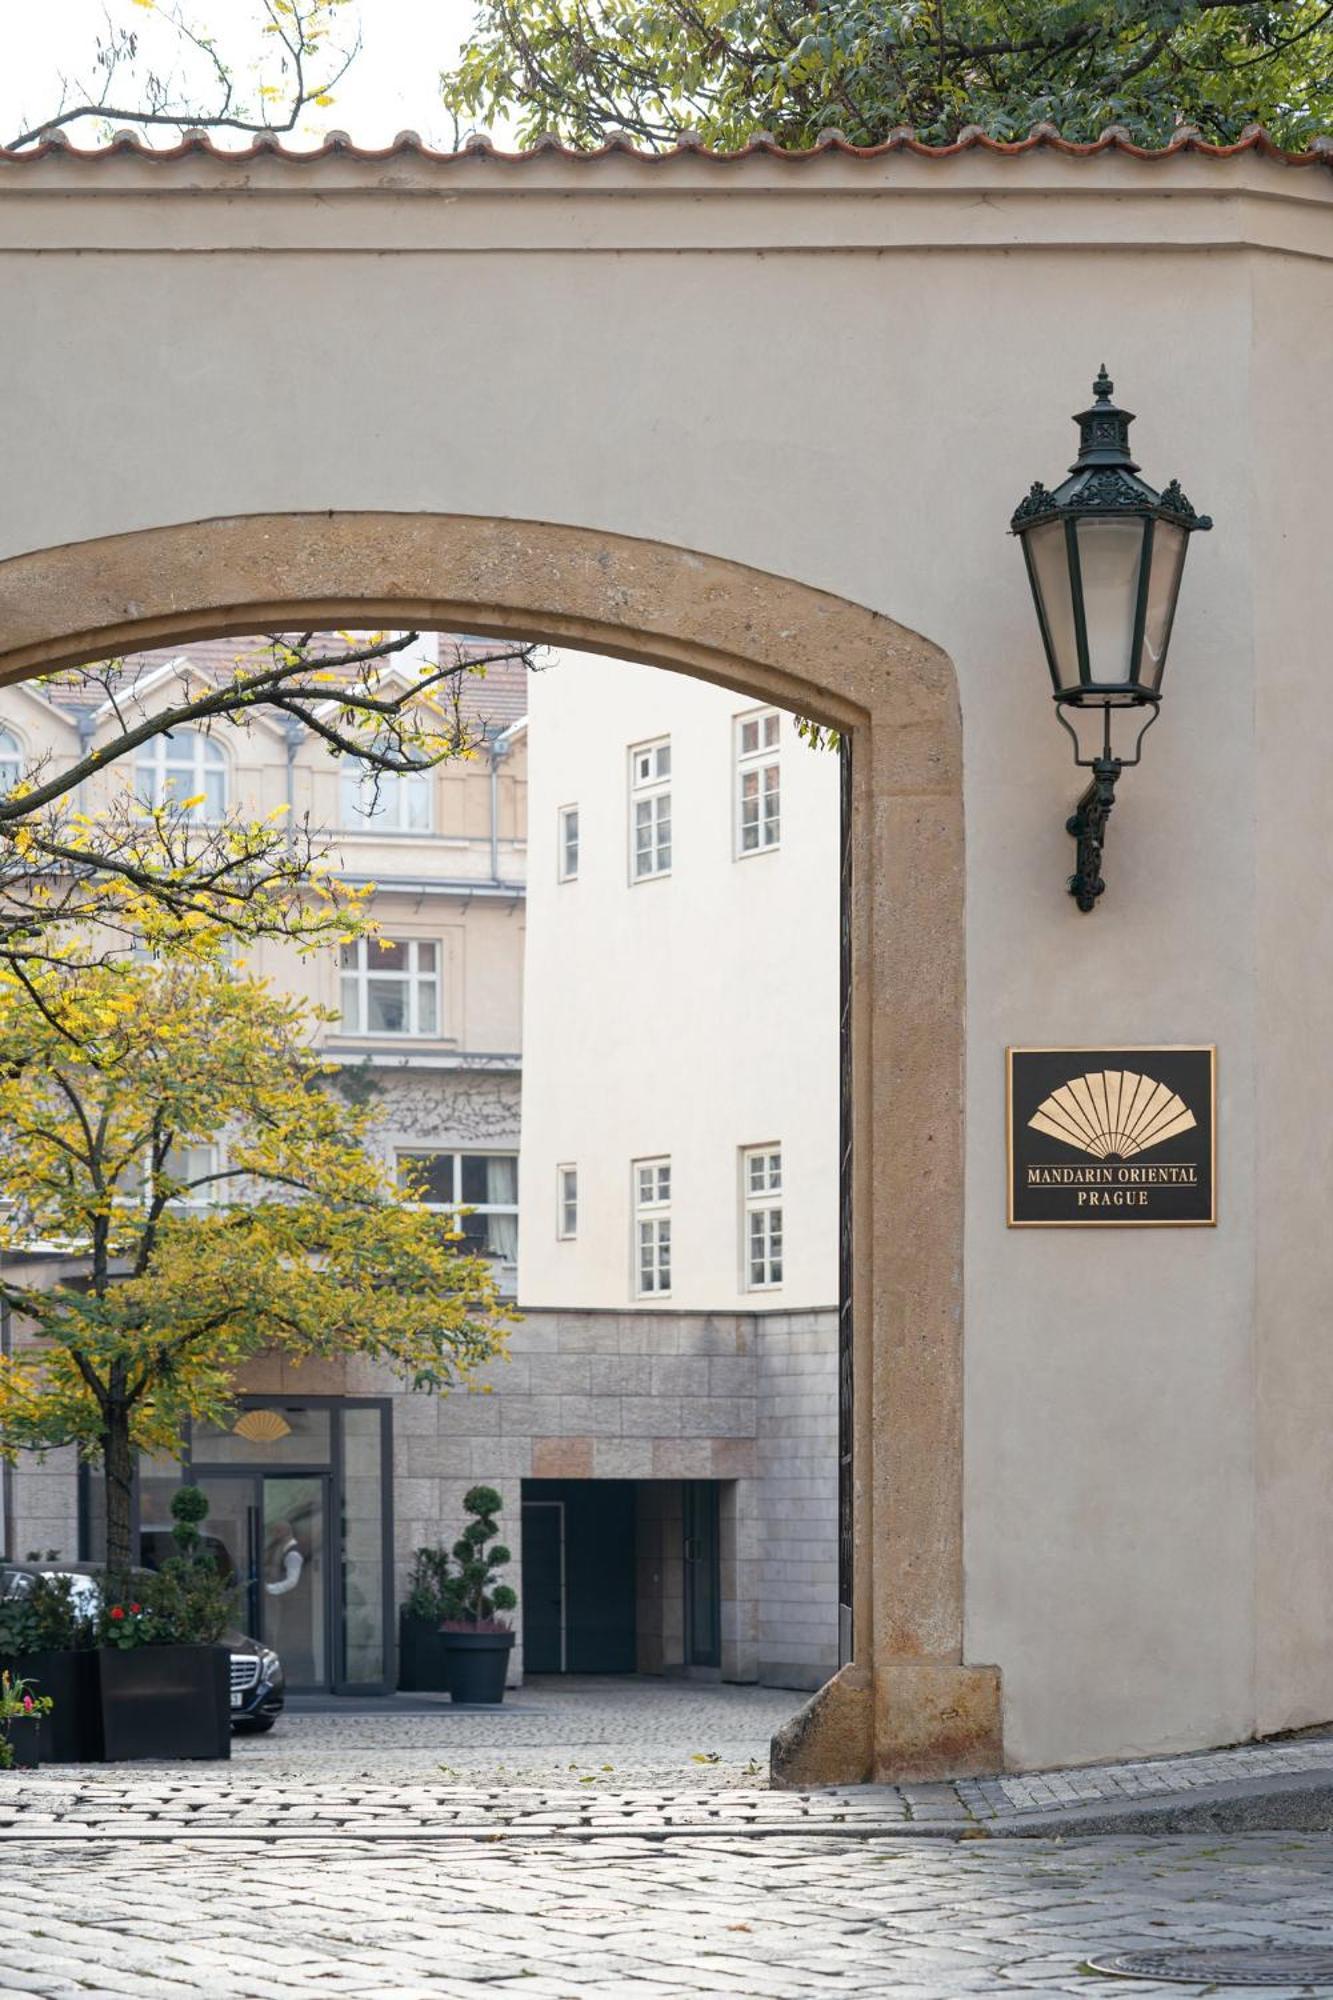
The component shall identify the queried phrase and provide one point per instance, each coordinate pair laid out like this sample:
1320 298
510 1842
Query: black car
257 1683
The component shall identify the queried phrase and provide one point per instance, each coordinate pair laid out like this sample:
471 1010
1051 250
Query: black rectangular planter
72 1732
22 1732
164 1701
421 1668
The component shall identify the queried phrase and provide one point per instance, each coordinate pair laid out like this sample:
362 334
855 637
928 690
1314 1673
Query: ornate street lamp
1105 554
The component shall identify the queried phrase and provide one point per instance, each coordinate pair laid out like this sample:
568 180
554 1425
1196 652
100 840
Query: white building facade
679 1176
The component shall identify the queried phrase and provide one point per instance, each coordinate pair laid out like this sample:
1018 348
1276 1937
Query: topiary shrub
470 1594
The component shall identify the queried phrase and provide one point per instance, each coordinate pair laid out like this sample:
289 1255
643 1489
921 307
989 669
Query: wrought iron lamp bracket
1087 823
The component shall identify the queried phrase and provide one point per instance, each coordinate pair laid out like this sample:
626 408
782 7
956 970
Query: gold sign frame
1102 1055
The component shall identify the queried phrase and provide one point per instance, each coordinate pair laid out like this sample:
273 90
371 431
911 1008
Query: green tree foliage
655 68
168 1127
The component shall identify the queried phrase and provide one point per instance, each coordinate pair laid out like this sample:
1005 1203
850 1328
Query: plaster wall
1293 1081
850 386
691 1014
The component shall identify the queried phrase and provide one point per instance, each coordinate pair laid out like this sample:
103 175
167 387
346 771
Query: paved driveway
606 1731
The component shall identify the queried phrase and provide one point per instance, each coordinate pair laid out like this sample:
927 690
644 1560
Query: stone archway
905 1705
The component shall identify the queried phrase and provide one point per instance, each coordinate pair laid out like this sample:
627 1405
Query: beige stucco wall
846 373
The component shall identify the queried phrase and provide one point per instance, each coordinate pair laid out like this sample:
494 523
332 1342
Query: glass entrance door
273 1528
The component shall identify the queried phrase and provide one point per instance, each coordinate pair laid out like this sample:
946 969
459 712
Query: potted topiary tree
46 1639
477 1643
164 1681
420 1619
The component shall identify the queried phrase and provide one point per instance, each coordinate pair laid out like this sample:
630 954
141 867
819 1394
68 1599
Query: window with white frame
11 761
194 1169
761 1217
385 801
183 764
485 1184
569 843
566 1203
758 782
652 1228
650 810
191 1170
390 986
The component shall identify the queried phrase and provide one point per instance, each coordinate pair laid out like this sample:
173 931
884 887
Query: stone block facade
747 1400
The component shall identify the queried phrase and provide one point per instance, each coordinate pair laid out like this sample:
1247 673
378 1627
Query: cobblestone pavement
638 1919
614 1840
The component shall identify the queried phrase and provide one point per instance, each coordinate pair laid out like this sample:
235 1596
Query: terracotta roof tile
338 144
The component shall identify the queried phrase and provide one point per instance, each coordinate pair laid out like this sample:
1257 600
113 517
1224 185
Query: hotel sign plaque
1112 1137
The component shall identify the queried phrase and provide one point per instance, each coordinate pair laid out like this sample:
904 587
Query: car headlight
270 1666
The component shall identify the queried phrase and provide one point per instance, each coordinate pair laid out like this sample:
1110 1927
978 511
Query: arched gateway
894 695
735 416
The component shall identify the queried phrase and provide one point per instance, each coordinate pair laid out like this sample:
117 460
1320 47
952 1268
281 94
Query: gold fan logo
1112 1114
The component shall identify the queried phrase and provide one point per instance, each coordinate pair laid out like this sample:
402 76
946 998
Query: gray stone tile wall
797 1558
746 1399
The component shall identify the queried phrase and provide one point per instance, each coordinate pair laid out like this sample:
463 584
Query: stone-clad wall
798 1551
748 1399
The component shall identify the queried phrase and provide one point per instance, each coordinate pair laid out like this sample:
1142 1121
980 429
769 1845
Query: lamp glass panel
1046 546
1109 554
1168 562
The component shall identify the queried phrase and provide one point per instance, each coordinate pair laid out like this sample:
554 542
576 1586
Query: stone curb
1299 1802
1291 1802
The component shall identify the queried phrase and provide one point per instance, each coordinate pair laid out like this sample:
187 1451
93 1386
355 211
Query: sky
392 86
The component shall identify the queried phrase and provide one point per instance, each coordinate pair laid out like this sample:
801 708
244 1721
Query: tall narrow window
761 1217
390 986
650 810
385 801
652 1228
758 782
179 765
567 1203
11 761
569 843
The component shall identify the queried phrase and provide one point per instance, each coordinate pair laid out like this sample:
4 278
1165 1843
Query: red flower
136 1608
27 1702
117 1612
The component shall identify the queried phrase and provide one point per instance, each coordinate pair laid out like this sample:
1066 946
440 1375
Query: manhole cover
1226 1965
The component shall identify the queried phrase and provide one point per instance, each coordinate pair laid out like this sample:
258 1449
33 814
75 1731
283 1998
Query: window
758 782
650 810
652 1227
569 843
385 801
567 1203
390 986
190 1164
184 764
11 761
761 1217
184 1166
485 1183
